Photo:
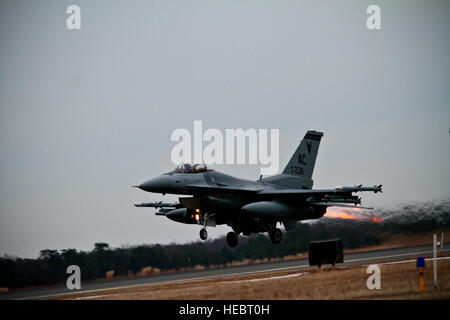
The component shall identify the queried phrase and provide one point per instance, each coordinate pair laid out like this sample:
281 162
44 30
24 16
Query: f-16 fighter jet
215 198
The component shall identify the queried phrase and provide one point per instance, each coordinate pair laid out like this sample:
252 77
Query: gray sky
85 114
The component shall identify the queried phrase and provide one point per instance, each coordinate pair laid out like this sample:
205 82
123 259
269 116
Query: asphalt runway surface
361 257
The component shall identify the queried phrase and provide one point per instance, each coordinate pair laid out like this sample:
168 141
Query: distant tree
48 254
51 264
69 253
101 246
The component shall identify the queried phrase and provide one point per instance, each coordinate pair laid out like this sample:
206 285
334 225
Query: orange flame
347 214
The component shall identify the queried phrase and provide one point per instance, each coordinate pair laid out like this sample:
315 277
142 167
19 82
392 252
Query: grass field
398 281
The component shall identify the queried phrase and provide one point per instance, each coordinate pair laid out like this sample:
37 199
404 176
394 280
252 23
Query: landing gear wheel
232 239
203 234
276 236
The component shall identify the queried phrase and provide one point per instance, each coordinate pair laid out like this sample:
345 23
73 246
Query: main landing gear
232 239
276 235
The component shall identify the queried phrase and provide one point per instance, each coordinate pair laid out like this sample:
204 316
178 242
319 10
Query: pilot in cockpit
188 168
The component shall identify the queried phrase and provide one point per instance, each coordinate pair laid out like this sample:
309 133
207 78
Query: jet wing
339 196
318 192
224 188
293 192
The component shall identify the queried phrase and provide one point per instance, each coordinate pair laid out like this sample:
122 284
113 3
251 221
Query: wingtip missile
159 204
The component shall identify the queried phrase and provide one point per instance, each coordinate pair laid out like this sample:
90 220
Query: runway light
421 268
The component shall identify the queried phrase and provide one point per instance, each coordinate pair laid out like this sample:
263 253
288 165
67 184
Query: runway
361 257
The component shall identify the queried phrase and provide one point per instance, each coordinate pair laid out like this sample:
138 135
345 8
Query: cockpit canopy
190 168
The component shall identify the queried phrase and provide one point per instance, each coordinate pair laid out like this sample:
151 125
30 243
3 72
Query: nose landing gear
203 234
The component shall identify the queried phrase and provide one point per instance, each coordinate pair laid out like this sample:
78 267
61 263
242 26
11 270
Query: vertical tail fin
303 161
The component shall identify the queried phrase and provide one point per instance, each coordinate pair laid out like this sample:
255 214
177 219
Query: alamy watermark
74 280
73 21
230 148
374 281
373 21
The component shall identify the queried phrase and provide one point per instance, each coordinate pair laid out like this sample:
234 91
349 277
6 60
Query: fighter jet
215 198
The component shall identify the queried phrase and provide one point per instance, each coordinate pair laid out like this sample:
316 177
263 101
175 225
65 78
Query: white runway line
409 261
264 279
391 256
95 297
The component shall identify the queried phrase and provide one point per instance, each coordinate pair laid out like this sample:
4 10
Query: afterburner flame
349 214
341 215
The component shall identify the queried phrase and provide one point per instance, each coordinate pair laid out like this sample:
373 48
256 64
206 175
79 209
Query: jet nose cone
159 184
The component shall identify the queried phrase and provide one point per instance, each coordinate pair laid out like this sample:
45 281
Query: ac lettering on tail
297 170
302 159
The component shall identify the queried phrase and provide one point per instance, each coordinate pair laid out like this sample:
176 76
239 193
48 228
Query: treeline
50 267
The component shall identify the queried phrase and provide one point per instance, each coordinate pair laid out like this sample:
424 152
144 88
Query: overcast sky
85 114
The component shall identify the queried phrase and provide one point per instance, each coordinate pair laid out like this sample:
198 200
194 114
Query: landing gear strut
232 239
203 234
276 235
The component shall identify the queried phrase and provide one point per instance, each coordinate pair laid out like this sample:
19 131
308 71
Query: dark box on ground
326 252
